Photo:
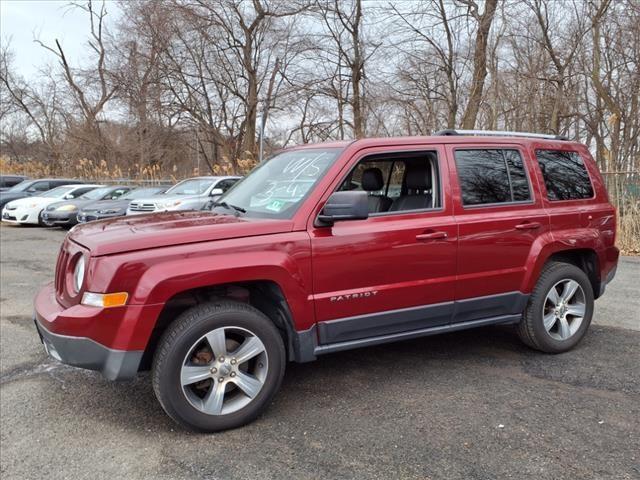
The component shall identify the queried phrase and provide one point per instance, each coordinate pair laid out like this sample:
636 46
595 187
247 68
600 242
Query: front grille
86 218
142 207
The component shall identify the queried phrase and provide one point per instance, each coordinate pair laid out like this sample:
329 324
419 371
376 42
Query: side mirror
216 191
68 196
344 206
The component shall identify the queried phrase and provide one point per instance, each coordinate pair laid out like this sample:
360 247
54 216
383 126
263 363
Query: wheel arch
266 295
585 258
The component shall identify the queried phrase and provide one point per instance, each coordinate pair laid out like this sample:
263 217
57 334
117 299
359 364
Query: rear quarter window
565 175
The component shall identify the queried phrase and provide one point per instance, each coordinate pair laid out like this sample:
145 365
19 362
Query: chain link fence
143 183
624 193
623 187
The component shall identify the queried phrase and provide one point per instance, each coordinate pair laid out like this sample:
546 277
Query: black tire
41 221
178 340
531 329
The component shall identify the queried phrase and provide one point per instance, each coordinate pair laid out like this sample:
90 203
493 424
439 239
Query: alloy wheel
224 370
564 309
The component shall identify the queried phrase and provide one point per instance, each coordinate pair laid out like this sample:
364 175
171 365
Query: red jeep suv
335 246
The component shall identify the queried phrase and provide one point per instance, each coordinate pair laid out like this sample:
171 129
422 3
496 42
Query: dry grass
101 171
628 237
98 171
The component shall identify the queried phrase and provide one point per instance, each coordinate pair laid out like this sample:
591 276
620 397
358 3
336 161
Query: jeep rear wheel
218 366
559 310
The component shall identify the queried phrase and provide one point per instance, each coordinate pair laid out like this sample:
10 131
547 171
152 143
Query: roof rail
494 133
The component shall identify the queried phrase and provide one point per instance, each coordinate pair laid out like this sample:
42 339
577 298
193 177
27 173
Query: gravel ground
472 405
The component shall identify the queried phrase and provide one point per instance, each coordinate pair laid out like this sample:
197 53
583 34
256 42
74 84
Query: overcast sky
23 20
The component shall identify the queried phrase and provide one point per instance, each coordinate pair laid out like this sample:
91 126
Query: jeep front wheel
218 366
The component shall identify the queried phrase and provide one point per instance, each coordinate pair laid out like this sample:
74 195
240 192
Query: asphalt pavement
470 405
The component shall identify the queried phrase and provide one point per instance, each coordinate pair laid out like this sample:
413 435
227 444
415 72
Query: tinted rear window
491 176
565 175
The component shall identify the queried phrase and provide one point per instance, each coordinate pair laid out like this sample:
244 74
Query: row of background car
65 202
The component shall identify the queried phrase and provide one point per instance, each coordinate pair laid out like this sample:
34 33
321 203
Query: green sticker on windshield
275 205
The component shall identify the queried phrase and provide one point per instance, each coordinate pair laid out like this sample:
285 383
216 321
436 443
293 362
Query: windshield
22 186
141 193
56 192
195 186
96 194
278 187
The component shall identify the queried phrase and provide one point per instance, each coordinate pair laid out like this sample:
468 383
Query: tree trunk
479 65
357 74
249 138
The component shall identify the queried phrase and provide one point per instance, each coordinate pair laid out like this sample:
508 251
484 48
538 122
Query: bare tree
90 88
41 106
185 82
435 64
484 21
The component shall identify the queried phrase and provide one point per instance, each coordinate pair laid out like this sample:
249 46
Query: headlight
66 208
104 300
78 274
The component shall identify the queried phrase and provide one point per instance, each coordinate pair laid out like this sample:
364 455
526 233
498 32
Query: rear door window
490 176
565 175
118 192
40 187
226 184
81 191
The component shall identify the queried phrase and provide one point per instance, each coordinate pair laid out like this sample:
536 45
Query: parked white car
28 210
191 194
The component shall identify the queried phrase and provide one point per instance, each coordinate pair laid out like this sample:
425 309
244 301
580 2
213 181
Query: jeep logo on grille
353 296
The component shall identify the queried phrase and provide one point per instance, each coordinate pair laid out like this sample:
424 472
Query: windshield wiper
229 207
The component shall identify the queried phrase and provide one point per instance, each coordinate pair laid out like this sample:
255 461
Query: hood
40 201
8 196
105 205
78 202
167 198
141 232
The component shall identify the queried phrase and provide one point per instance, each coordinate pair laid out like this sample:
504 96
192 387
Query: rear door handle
528 226
423 237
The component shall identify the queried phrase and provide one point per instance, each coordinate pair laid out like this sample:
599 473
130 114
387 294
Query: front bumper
60 218
143 212
92 216
19 215
111 340
85 353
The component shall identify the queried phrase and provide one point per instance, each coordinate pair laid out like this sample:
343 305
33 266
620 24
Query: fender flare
549 244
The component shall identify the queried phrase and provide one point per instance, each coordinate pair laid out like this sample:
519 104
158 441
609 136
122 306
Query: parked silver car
65 213
116 208
190 194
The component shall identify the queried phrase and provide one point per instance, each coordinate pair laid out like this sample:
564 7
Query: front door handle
425 237
529 226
